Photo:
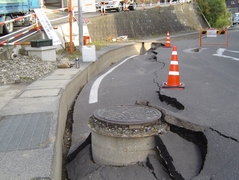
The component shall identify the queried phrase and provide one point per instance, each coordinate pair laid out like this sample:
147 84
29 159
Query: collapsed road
198 141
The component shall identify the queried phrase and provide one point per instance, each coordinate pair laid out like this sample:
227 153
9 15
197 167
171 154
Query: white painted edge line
93 96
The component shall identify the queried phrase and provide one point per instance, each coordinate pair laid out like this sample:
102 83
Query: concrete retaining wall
149 23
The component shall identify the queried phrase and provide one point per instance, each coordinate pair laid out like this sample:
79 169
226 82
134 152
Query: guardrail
16 19
5 42
33 29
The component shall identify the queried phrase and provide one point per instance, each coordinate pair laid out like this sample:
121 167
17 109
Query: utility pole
70 22
80 21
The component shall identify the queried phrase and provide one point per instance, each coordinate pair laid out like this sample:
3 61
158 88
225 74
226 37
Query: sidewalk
31 127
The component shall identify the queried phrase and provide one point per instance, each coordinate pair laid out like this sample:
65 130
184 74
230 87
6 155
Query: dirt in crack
170 100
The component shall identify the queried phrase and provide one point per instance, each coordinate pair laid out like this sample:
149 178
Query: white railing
33 29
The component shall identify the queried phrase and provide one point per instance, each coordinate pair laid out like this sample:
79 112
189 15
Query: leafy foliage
216 12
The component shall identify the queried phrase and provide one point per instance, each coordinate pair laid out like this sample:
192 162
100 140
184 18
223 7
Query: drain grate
24 131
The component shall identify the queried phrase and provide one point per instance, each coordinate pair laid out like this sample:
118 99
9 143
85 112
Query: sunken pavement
183 150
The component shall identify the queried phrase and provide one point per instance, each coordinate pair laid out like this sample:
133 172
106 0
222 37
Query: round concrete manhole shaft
123 135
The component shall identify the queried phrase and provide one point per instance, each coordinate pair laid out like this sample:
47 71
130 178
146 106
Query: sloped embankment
151 22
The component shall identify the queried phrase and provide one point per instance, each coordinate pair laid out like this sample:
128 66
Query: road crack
223 135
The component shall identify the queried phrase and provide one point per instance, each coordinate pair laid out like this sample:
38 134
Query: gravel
24 69
108 129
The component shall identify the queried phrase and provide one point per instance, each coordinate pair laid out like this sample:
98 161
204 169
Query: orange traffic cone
173 75
168 41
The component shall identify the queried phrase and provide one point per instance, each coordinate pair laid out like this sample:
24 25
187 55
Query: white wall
87 5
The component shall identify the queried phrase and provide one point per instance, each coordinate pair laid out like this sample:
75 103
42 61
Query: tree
216 12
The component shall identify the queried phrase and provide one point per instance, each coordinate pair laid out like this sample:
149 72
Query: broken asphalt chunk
167 159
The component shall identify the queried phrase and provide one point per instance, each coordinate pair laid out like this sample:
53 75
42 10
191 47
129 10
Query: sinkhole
127 135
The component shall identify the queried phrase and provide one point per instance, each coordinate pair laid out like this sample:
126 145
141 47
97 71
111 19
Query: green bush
216 12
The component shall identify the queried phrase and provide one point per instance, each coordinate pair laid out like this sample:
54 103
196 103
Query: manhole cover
128 115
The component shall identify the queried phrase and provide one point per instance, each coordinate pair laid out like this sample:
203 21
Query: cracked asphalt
202 143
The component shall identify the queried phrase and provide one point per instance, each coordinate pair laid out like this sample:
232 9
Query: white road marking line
93 97
220 52
233 51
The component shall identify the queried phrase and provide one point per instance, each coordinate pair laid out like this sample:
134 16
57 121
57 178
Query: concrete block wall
152 22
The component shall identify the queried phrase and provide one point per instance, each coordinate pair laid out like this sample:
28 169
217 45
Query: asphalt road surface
210 99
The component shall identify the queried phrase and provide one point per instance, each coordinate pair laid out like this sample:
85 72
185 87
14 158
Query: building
233 5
